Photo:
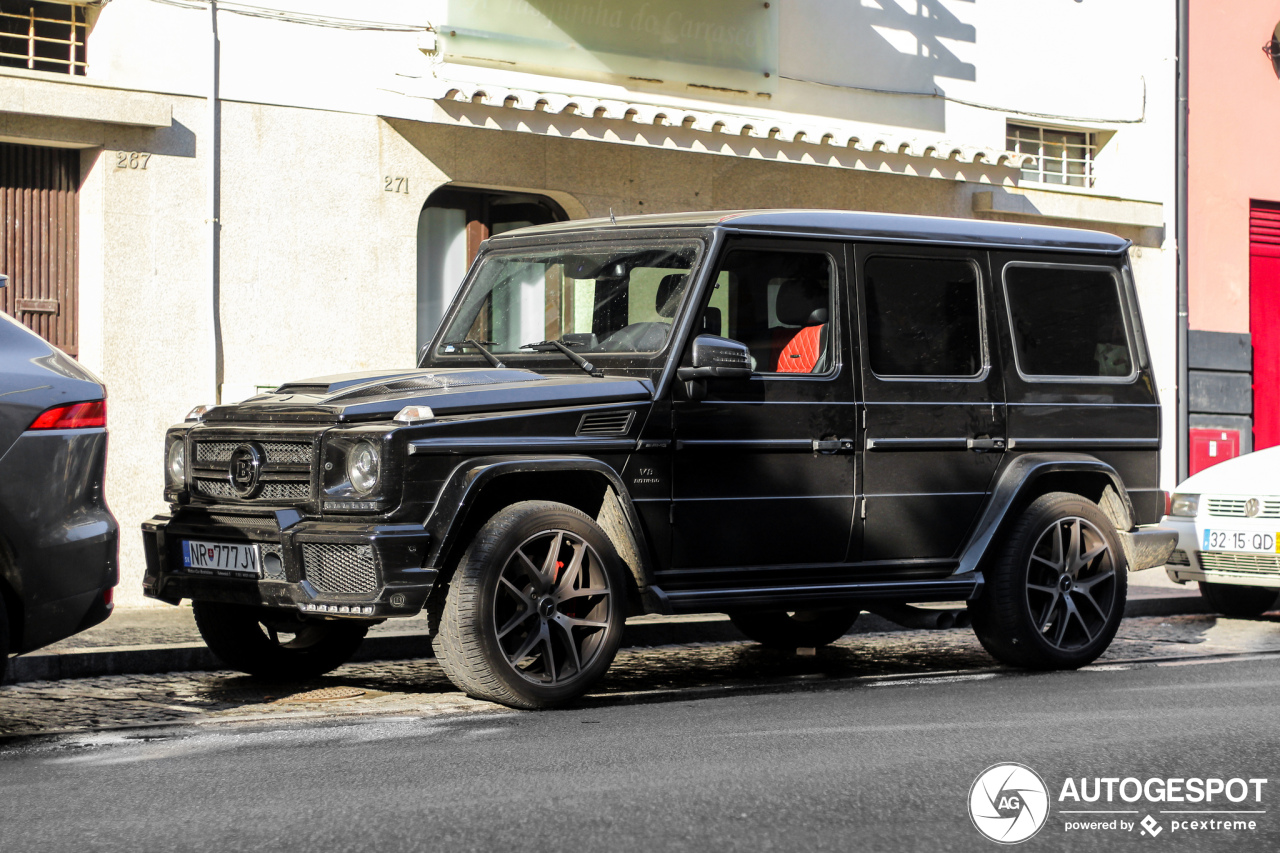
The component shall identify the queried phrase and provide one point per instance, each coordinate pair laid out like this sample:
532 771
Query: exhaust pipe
920 617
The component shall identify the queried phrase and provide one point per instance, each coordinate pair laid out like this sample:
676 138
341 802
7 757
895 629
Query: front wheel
1055 595
534 612
1241 602
795 629
276 644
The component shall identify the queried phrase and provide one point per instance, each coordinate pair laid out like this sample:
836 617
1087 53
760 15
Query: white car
1228 523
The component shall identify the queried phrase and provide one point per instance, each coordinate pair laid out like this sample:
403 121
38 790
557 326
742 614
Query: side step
868 593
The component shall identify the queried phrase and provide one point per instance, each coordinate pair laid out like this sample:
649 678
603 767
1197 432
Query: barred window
1060 156
43 36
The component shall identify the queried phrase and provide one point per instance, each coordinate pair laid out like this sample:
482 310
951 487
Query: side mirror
4 280
715 357
422 353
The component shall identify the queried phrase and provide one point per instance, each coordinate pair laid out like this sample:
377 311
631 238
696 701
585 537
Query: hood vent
606 423
435 382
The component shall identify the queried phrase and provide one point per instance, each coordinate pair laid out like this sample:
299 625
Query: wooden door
39 212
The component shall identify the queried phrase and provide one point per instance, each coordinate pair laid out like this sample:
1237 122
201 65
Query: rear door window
1067 322
924 318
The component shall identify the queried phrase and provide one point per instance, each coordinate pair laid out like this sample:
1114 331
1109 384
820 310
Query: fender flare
465 483
1018 475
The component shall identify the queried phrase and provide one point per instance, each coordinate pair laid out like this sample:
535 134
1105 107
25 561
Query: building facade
247 194
1233 232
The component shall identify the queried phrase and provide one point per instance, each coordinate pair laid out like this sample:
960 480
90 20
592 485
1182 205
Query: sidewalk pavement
164 639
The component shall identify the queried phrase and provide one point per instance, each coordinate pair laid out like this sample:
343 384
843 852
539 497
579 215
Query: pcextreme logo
1008 803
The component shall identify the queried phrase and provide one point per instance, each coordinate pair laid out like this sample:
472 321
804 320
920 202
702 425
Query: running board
955 588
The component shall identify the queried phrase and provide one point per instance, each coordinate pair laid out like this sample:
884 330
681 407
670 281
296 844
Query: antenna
611 219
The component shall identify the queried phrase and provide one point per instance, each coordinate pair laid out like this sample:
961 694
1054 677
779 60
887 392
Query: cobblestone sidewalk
418 687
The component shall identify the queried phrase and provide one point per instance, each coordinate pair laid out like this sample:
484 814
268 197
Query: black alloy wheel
1239 602
276 644
1056 594
795 629
534 613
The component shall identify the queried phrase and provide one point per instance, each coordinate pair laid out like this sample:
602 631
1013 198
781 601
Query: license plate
1240 540
222 558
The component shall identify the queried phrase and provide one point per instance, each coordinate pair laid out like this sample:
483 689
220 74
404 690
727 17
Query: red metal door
1264 320
1211 446
39 212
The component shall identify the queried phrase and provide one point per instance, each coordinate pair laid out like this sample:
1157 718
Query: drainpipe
213 162
1180 236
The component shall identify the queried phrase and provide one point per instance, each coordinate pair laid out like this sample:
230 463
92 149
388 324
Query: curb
196 657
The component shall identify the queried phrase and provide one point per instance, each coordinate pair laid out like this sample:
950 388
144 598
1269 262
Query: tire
796 629
276 644
1046 604
534 613
1241 602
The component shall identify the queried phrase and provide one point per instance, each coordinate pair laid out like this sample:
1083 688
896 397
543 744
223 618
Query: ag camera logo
1008 803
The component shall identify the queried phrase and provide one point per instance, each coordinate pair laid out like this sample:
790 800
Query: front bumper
1190 564
330 568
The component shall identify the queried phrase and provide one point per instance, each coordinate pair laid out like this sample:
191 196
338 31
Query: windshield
598 299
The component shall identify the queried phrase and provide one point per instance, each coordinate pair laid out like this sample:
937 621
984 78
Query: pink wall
1234 153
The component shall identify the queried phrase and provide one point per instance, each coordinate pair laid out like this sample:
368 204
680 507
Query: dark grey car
58 539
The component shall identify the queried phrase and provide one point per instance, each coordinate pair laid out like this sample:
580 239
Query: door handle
983 444
832 445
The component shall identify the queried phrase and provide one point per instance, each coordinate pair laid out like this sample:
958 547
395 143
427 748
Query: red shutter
1264 320
39 212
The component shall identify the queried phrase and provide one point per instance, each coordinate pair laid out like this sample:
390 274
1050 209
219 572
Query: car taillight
73 416
109 596
1168 502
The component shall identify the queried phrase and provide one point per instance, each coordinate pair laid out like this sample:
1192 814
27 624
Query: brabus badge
245 470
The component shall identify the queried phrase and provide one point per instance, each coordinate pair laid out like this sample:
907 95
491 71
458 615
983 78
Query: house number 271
395 185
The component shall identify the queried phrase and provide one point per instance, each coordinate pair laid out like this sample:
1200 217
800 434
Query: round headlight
362 467
177 462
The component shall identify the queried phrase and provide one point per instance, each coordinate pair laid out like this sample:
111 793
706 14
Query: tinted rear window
923 317
1067 321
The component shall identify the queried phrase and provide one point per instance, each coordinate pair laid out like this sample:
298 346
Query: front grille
277 452
340 568
286 470
1244 564
1236 507
1179 558
606 423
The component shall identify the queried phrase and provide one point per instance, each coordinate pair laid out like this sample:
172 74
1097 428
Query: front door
934 400
753 488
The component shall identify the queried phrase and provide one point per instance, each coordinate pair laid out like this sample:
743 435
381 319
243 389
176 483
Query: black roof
891 227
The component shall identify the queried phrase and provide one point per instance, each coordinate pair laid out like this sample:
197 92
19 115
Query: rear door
934 399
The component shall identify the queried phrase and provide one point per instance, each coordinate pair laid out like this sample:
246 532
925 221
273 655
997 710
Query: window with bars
1059 156
43 36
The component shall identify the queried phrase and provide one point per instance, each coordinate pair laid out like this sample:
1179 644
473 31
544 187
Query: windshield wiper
548 346
479 345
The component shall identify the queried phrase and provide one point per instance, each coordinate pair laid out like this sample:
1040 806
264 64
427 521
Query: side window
780 304
1067 321
924 317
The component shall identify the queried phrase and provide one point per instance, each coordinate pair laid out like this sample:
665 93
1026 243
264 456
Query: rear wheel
1055 596
1242 602
534 612
795 629
276 644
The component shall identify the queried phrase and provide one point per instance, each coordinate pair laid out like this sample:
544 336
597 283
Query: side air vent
606 423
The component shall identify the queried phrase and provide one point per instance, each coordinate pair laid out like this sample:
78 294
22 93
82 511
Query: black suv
786 416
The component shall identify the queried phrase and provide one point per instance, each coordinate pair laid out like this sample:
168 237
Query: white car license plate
222 558
1250 541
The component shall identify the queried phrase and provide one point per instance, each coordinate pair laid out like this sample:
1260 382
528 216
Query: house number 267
132 160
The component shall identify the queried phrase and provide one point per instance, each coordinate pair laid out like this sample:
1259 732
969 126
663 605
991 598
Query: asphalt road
885 767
